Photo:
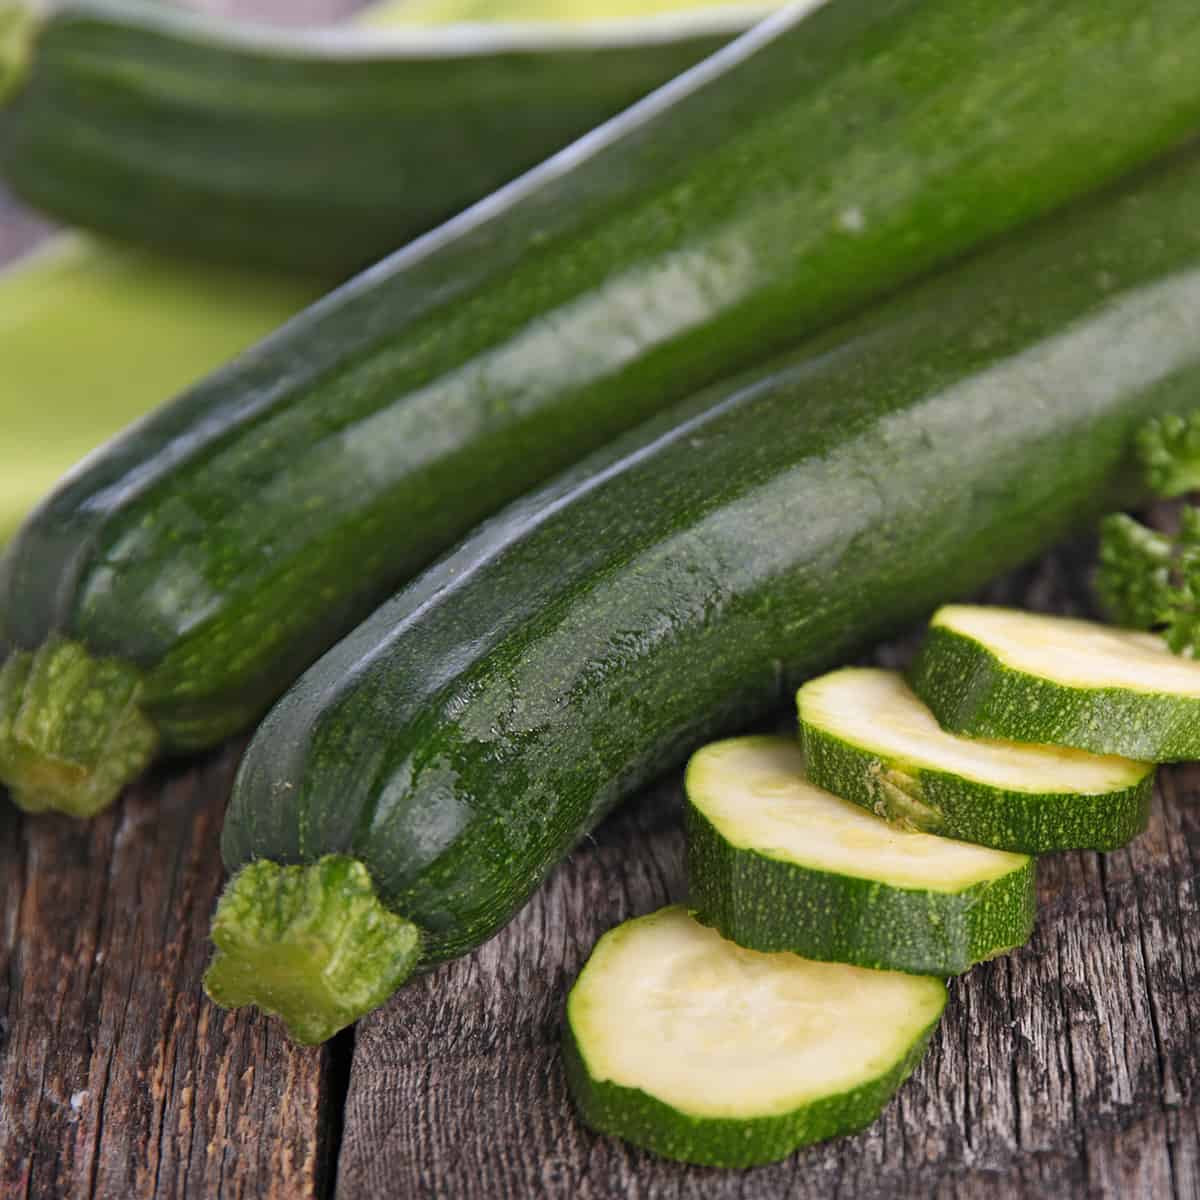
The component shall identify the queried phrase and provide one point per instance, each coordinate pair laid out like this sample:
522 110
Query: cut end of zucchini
704 1052
18 22
312 945
71 732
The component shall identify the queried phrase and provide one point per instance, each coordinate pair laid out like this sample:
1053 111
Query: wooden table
1071 1067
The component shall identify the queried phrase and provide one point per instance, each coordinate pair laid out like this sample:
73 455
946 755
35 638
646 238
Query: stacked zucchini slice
836 882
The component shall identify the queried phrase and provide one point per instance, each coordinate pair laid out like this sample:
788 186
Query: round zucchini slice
1025 677
704 1052
776 863
867 738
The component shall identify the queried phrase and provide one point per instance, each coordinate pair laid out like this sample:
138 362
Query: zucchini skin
972 692
305 153
768 904
463 738
222 544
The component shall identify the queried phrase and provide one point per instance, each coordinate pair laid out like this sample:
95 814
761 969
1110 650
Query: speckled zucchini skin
972 692
221 545
950 805
304 152
466 735
765 903
640 1118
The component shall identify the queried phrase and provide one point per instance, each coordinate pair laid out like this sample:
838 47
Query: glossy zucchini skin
222 544
314 152
463 738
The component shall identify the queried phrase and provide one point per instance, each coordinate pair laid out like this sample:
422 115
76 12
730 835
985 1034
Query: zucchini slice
776 863
704 1052
868 739
1025 677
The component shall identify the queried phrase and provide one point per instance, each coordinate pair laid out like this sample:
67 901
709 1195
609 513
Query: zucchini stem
18 23
312 945
71 732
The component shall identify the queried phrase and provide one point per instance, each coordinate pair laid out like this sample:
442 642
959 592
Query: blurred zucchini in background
201 561
310 151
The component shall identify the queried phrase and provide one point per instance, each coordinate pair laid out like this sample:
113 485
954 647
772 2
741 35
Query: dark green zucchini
463 738
216 549
318 151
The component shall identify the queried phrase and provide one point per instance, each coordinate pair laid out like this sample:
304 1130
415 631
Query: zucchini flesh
1001 673
869 739
219 546
313 151
776 863
707 1053
461 740
94 334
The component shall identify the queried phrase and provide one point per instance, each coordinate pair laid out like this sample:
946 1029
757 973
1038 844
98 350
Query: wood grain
1072 1064
117 1077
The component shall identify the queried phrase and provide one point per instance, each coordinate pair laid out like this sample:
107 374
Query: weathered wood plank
1073 1064
117 1077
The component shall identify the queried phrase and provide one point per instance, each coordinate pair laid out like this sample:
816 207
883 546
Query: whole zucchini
185 575
307 150
454 747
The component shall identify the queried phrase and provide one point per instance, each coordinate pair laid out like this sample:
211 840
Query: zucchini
94 334
707 1053
307 150
775 863
868 739
462 739
1001 673
215 550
